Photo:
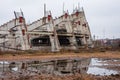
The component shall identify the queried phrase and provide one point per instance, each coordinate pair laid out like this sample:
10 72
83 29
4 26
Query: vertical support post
3 66
63 7
4 43
44 10
73 8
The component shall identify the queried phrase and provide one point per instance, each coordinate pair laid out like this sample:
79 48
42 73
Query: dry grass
48 55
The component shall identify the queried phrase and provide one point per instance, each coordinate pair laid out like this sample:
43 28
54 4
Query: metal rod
44 10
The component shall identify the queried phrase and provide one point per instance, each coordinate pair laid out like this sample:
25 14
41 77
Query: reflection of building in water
57 67
72 66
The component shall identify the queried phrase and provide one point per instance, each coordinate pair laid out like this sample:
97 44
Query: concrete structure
13 33
69 31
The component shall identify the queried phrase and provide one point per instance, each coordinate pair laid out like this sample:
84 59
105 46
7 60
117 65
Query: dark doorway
41 41
60 31
79 42
64 41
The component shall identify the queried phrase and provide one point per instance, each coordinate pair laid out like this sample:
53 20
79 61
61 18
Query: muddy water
96 66
100 66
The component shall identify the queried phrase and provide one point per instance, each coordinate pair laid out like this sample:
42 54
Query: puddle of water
97 62
4 62
14 69
94 62
96 67
100 71
60 67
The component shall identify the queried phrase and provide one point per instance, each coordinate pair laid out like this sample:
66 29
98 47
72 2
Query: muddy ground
64 55
49 55
54 77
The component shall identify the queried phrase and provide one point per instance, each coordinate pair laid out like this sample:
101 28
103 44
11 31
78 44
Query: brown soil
41 56
68 77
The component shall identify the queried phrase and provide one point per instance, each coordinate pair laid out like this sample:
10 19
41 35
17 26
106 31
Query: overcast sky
103 16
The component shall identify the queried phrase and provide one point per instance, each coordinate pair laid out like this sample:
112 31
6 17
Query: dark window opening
64 41
61 63
41 41
61 31
78 40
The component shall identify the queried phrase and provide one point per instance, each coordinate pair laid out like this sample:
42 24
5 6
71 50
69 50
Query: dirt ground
49 55
67 77
41 56
61 55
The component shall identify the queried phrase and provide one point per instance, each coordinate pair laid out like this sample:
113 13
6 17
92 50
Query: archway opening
41 41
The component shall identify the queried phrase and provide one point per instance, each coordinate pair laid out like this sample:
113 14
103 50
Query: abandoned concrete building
69 31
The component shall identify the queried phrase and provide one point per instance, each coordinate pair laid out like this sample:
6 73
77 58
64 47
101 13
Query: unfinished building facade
69 31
